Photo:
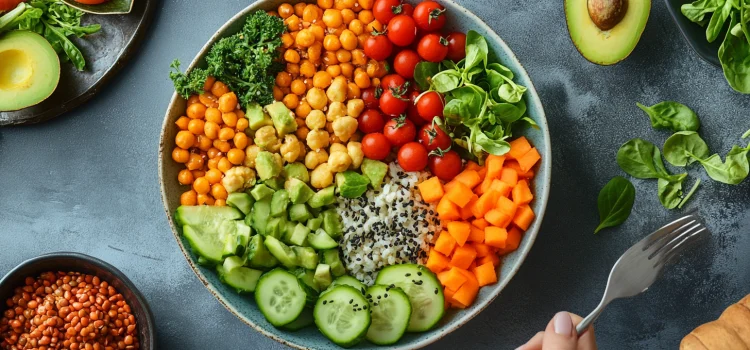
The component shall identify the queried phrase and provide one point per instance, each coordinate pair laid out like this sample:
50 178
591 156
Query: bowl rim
529 236
139 298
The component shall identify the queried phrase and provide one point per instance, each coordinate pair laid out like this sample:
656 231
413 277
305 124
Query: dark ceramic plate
77 262
694 34
105 52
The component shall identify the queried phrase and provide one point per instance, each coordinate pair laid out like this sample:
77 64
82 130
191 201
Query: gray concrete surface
87 182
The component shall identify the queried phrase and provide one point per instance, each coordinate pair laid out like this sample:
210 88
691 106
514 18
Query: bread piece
730 332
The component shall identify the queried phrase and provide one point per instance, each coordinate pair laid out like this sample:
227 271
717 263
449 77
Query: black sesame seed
325 302
378 296
385 295
351 301
419 274
407 275
436 290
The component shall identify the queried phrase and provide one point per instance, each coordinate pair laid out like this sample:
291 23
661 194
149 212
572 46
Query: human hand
560 334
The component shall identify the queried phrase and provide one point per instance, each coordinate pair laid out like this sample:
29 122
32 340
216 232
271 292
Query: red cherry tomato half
375 146
383 10
412 157
430 105
402 30
433 47
371 120
393 103
447 166
392 81
378 47
411 112
405 62
371 96
433 137
456 46
399 131
7 5
429 16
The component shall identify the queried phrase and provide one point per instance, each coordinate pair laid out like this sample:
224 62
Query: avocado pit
606 14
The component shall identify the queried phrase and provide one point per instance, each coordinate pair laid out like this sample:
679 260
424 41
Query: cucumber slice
280 297
242 201
204 215
306 257
321 240
242 279
331 257
257 255
314 223
204 243
391 311
232 263
424 291
342 315
304 320
350 281
307 282
260 215
323 275
281 251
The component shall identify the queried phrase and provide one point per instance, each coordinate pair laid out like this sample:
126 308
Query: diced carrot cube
453 279
527 161
495 237
501 187
473 265
519 147
482 174
485 203
466 295
480 223
484 186
459 194
445 243
498 218
485 274
476 235
470 278
431 190
466 212
494 166
471 165
460 231
437 262
483 250
447 210
492 258
514 240
524 217
470 178
509 176
507 206
512 164
464 256
448 185
522 194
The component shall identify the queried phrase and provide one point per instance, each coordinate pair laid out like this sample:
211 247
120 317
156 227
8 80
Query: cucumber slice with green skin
307 282
348 281
205 262
232 263
323 275
281 251
204 215
321 240
314 223
424 291
280 297
391 310
257 255
331 257
261 214
304 320
204 243
242 279
306 257
342 315
242 201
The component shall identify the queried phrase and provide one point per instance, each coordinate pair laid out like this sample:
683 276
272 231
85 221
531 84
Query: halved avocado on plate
29 72
606 31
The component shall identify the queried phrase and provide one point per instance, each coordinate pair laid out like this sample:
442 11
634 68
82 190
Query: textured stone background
87 182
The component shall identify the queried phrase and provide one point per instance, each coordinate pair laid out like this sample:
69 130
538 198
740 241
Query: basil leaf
476 50
733 170
615 202
718 19
685 147
670 190
446 81
671 115
641 159
423 73
734 55
690 194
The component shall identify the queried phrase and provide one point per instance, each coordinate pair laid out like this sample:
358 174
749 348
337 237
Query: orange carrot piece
482 174
519 147
445 243
484 186
522 194
507 206
471 165
527 161
466 295
470 178
447 210
453 279
492 258
466 212
473 265
464 256
431 190
437 262
494 166
498 218
480 223
512 164
485 274
495 237
501 187
483 250
449 301
524 217
460 231
459 194
476 235
485 203
509 176
514 240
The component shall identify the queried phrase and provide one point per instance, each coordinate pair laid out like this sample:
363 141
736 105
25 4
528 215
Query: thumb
560 334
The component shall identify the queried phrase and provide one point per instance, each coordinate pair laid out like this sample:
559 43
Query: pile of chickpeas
67 310
210 142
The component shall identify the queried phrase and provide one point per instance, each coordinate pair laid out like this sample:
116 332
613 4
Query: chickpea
336 110
305 38
283 79
347 70
358 58
196 111
348 15
334 70
292 68
298 87
329 58
317 139
211 130
362 39
291 101
185 177
290 149
310 14
317 98
228 102
222 146
213 176
226 134
277 93
242 124
354 107
265 137
374 26
218 203
213 115
307 69
213 152
209 83
202 199
184 139
219 192
236 156
201 185
314 52
355 152
229 119
318 30
299 8
337 147
195 126
291 56
189 198
303 109
218 89
331 42
321 176
204 143
198 173
339 161
240 140
344 127
193 99
224 164
183 123
348 40
366 4
332 18
286 40
180 155
209 100
325 4
285 10
362 79
337 91
365 16
250 154
357 27
316 120
342 55
353 91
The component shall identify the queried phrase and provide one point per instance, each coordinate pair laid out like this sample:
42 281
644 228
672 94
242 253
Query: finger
560 333
534 343
587 339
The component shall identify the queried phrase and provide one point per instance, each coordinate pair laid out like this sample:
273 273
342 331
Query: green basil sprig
615 202
671 115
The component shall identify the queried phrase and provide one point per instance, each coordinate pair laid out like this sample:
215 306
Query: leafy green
719 18
733 170
746 134
247 62
690 193
670 190
423 73
734 55
697 10
615 202
476 50
685 147
671 115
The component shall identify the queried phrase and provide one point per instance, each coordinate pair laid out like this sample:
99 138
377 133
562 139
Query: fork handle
589 320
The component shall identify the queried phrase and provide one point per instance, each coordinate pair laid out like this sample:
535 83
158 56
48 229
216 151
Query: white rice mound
388 226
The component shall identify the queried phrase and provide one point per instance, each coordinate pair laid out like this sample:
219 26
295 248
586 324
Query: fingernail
563 323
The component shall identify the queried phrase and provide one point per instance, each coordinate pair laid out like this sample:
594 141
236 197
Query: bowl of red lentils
72 301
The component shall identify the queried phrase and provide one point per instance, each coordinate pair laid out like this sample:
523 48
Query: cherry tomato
392 81
412 157
399 131
371 96
378 47
370 121
411 112
456 46
375 146
433 137
7 5
429 16
384 10
402 30
393 102
405 62
406 9
433 47
445 167
430 105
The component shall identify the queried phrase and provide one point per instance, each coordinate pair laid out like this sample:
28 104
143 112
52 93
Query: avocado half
29 72
606 31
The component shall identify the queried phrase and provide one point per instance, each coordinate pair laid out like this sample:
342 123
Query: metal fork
643 263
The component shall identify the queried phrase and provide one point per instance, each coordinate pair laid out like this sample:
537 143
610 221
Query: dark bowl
694 34
82 263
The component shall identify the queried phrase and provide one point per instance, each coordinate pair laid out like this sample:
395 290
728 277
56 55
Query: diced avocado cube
321 240
256 118
351 184
323 276
331 257
332 223
275 183
314 223
261 191
375 171
279 202
299 213
306 257
323 197
276 227
283 119
242 201
299 235
261 213
281 251
266 165
298 171
299 192
257 255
